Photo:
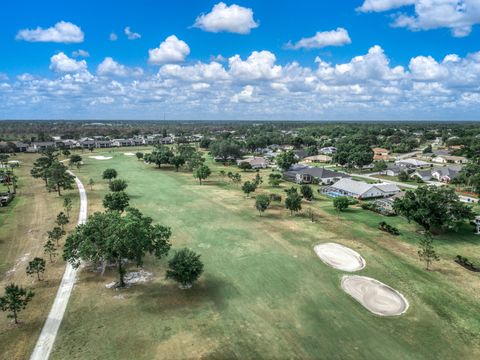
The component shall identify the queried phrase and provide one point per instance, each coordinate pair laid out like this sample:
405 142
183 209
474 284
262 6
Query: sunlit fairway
265 293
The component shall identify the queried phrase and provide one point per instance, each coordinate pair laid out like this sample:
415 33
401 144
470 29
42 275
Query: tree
286 159
67 205
380 166
194 160
262 202
116 201
274 179
225 150
403 176
201 173
428 149
248 187
62 220
205 143
139 155
177 161
236 178
75 160
161 155
426 251
341 203
109 174
307 192
15 300
91 182
50 249
293 202
222 174
41 166
245 166
185 268
353 154
113 238
117 185
258 179
56 234
433 208
58 178
36 266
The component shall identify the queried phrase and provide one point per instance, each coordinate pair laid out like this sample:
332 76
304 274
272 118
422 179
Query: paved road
45 342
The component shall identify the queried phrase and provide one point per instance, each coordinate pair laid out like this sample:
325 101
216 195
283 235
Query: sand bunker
129 154
100 157
339 257
375 296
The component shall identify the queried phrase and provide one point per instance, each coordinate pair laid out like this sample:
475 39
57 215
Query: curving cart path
45 342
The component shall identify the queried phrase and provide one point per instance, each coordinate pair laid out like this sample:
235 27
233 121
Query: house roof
359 187
324 158
413 162
320 173
447 171
424 173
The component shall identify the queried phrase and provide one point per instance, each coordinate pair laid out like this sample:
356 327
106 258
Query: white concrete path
45 342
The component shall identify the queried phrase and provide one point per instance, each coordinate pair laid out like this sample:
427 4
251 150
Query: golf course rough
340 257
375 296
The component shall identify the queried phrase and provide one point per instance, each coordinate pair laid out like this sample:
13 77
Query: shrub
388 228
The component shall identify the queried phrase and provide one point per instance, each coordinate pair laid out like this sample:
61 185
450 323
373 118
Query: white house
361 190
449 159
411 163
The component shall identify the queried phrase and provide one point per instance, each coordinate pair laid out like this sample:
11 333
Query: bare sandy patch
129 154
340 257
100 157
375 296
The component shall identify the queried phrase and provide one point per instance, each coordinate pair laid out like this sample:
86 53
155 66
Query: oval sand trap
100 157
129 154
339 257
375 296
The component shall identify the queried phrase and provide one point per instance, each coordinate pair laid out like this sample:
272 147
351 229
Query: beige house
317 159
449 159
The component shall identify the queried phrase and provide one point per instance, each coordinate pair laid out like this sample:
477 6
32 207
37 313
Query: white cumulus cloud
80 53
383 5
61 32
64 64
223 18
246 95
338 37
110 67
172 50
260 65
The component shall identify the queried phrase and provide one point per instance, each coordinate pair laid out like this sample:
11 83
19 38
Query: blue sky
371 59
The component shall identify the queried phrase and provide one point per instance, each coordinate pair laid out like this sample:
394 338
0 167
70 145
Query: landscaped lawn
264 293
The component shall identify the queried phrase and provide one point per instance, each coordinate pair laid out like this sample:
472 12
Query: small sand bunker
100 157
375 296
339 257
129 154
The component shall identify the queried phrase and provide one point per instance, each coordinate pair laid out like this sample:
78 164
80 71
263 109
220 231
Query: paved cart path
45 342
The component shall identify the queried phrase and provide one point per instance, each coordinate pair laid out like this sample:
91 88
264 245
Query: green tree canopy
36 266
201 173
116 201
262 202
248 187
75 160
117 185
307 192
293 202
58 177
109 174
15 300
113 238
225 149
433 208
341 203
185 268
286 159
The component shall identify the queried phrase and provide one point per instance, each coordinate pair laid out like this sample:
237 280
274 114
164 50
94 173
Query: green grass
264 293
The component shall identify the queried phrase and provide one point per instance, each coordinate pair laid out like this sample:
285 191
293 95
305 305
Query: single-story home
411 163
445 174
449 159
381 154
392 170
300 154
385 205
257 162
328 150
318 159
308 175
361 190
424 175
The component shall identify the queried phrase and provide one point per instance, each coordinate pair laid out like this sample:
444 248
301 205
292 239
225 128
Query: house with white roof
411 163
361 190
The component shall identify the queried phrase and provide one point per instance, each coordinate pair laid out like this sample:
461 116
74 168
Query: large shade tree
58 178
433 208
112 238
185 268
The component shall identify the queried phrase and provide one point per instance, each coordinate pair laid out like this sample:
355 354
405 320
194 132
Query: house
424 175
449 159
360 189
392 170
41 146
122 142
21 146
309 175
101 144
411 163
385 205
381 154
329 150
86 143
300 154
445 174
256 162
317 159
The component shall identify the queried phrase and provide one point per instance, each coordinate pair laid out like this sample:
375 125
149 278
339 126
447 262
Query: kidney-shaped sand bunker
339 257
375 296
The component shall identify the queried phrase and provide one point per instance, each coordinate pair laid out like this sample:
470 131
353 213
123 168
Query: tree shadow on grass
168 297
